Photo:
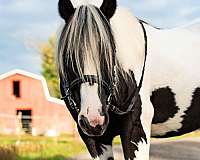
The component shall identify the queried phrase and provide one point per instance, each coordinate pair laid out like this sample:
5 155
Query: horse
120 76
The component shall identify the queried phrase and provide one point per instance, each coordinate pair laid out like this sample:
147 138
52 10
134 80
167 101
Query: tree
49 70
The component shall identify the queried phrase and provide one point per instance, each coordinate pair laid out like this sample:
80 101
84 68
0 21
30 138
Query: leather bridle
109 88
87 78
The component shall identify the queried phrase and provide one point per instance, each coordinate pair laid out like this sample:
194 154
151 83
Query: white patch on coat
107 152
146 119
143 151
147 107
174 58
90 99
129 39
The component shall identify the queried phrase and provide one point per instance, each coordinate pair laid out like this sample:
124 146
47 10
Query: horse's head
86 60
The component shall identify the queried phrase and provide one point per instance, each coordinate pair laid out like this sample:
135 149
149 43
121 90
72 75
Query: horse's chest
175 113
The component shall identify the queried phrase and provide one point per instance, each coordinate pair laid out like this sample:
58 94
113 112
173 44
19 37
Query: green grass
117 140
27 147
39 148
195 134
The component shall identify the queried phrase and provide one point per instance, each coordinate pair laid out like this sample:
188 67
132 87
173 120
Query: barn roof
34 76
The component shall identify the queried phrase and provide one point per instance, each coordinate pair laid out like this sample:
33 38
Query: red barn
25 103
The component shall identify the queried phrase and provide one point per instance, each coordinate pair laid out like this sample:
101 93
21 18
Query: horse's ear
108 8
66 9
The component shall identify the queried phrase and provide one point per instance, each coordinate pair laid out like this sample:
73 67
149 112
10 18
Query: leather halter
109 88
87 78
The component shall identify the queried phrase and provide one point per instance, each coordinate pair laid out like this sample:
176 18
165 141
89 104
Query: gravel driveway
187 149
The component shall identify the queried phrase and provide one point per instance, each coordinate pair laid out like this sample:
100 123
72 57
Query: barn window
16 89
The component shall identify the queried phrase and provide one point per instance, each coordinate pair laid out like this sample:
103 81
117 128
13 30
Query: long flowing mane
87 39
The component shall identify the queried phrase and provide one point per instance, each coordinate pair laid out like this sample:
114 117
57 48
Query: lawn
39 148
27 147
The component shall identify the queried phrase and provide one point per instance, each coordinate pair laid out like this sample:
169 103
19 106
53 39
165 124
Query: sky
24 24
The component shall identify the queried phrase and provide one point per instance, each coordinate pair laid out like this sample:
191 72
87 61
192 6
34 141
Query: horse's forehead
97 3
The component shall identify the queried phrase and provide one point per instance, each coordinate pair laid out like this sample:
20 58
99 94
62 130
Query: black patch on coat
164 104
191 119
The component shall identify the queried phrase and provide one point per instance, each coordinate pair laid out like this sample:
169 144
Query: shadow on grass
7 154
57 157
10 154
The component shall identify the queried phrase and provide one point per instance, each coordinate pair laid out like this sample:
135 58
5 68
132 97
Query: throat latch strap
115 109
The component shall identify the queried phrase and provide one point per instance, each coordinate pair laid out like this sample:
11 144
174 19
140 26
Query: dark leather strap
115 109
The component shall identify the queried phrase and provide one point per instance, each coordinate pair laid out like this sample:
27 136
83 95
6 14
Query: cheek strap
77 82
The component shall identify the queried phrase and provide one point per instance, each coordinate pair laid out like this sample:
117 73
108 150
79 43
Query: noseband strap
109 88
90 79
77 82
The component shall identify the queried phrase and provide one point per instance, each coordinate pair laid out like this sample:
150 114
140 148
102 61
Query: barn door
26 120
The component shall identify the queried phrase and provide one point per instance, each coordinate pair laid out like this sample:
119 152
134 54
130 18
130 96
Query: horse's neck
130 41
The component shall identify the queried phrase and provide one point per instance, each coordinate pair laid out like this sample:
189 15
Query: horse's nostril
101 112
84 121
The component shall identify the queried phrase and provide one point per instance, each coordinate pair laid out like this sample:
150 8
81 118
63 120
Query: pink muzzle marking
96 120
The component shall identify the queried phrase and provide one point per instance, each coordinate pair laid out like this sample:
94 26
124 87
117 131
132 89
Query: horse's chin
97 131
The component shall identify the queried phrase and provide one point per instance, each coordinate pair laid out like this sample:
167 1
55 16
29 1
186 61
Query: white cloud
153 4
165 13
22 20
187 11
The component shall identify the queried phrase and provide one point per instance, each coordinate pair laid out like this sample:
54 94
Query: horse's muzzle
93 130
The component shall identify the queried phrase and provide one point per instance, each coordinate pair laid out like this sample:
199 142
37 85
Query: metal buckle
112 108
63 98
109 99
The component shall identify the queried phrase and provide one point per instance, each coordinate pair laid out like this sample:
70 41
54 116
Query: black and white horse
121 76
